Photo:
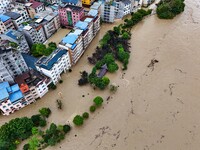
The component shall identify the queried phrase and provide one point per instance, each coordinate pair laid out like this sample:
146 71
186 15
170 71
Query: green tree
126 35
105 80
33 143
78 120
66 128
35 130
85 115
112 67
45 112
98 101
92 108
52 44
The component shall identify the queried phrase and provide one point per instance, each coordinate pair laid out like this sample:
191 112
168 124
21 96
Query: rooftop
30 60
95 5
81 25
31 78
4 18
70 1
73 8
13 92
13 15
93 12
13 34
48 62
36 4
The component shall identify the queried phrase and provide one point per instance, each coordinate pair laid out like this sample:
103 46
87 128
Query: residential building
7 21
11 64
73 42
70 15
78 39
55 64
87 26
34 34
18 38
11 98
72 2
4 5
53 1
16 18
111 10
50 22
33 84
108 11
32 6
95 13
22 11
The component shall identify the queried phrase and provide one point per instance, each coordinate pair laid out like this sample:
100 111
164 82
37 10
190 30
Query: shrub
26 147
42 123
45 112
112 67
92 108
85 115
78 120
113 88
36 120
60 81
66 128
98 101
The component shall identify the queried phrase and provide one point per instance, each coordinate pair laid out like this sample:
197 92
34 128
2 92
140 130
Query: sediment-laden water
156 107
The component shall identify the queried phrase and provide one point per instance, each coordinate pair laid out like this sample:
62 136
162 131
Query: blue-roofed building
4 18
18 38
30 60
5 23
72 2
11 98
81 25
73 42
55 64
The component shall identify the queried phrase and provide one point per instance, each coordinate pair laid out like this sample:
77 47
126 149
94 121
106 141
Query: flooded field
155 107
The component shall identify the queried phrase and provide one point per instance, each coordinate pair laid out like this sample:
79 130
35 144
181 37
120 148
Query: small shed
103 71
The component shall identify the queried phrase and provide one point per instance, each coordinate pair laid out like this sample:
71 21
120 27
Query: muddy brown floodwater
155 108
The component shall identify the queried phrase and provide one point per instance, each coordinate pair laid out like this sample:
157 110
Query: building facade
34 34
11 64
2 27
54 65
22 11
11 98
70 15
4 5
116 9
16 19
50 22
33 84
18 38
7 22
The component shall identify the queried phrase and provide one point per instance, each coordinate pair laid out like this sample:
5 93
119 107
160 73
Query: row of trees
168 9
40 49
79 120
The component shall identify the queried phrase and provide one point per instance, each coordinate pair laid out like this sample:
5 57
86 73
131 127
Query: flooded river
155 108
